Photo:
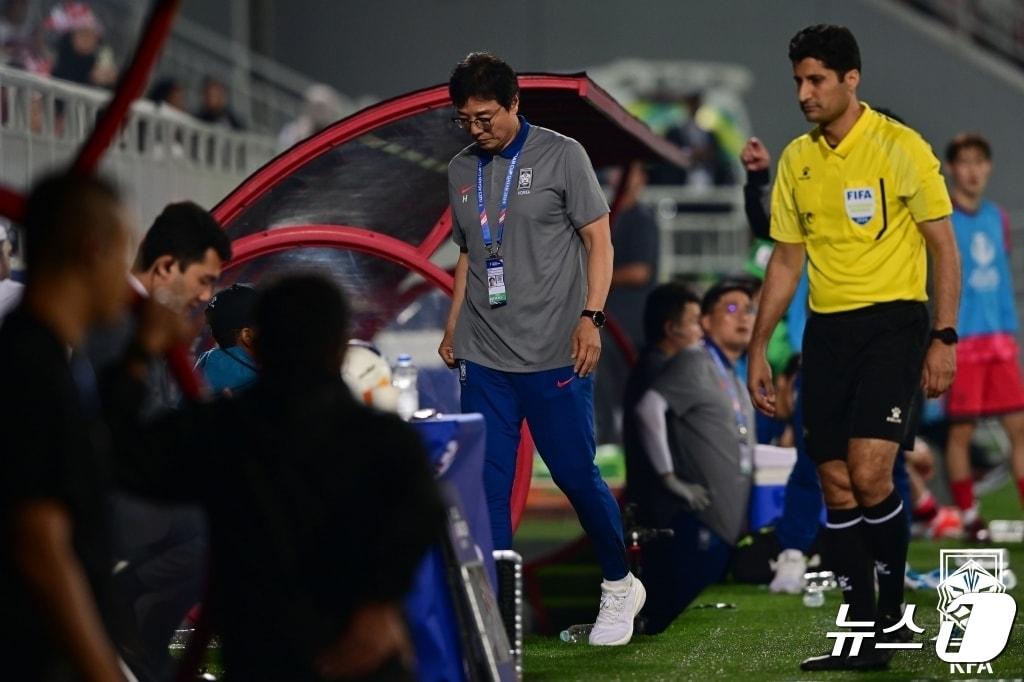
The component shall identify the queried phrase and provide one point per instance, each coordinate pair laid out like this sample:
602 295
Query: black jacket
317 505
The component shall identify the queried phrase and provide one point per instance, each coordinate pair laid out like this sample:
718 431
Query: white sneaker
614 625
789 572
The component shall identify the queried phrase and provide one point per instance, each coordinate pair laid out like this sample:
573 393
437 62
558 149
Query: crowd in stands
68 42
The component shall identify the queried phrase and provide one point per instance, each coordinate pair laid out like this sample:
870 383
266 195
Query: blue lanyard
484 225
728 381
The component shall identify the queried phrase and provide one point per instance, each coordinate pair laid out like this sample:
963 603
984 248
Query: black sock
887 535
846 553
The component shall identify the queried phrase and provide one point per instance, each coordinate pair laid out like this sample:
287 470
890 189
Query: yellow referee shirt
856 209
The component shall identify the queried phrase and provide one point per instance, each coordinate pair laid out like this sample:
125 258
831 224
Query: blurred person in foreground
231 315
320 508
988 380
55 561
860 195
696 427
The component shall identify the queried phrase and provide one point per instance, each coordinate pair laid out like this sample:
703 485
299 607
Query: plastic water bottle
577 634
814 596
403 377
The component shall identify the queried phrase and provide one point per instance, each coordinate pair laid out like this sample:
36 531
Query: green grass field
764 638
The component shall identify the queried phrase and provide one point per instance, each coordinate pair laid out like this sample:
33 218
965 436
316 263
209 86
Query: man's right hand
447 350
695 495
759 383
755 156
160 327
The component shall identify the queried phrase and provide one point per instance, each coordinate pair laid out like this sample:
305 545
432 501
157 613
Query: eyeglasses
485 122
736 308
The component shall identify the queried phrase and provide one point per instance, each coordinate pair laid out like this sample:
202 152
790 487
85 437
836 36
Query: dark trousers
802 509
166 550
676 570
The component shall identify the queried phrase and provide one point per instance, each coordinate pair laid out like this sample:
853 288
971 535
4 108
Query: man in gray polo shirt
533 273
696 425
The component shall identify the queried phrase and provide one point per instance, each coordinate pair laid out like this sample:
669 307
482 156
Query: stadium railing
264 93
161 155
703 230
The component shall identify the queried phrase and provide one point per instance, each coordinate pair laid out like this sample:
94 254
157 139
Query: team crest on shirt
860 204
525 180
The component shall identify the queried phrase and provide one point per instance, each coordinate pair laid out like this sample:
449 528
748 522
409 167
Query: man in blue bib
534 268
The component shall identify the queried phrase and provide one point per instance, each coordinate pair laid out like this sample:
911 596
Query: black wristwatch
946 335
596 316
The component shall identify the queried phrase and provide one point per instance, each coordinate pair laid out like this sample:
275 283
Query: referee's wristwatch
946 335
596 316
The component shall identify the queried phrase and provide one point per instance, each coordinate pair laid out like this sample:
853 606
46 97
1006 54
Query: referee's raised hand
760 384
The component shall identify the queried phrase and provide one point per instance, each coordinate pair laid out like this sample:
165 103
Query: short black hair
184 231
483 76
664 304
713 295
967 141
834 46
302 326
63 211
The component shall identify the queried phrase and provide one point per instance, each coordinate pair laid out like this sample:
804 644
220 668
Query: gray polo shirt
704 438
554 193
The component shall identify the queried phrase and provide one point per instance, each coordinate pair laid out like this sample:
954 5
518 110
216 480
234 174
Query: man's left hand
586 346
939 369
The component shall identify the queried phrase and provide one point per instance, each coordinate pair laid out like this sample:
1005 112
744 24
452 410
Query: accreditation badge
496 295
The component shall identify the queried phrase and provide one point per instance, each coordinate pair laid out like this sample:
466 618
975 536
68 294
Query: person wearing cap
696 427
230 367
54 556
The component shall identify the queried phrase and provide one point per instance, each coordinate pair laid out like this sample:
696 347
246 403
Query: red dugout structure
367 198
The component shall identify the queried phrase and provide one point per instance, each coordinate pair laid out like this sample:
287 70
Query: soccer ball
365 370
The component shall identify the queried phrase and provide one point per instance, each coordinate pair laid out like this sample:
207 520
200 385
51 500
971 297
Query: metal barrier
162 155
264 93
703 230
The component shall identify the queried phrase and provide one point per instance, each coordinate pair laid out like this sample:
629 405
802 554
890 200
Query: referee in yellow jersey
860 197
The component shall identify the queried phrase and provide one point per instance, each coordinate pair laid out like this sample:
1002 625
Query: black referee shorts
862 375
